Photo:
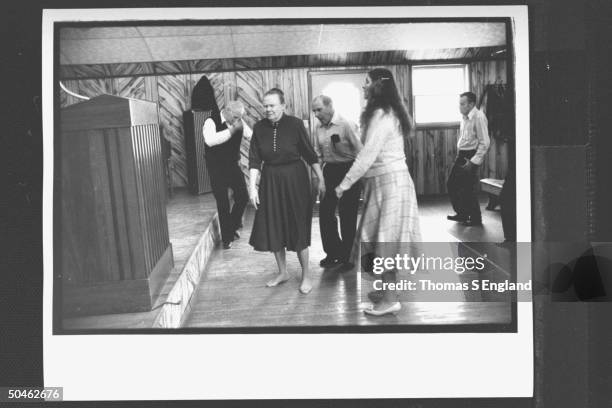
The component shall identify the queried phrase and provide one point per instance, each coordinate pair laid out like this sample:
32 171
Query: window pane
436 109
436 92
438 81
346 98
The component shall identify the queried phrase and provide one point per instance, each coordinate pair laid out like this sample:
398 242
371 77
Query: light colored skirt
390 221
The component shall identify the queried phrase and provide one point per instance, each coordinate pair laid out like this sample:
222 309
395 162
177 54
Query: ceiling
125 44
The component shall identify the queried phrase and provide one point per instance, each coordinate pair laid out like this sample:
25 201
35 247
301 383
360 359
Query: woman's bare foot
280 278
305 286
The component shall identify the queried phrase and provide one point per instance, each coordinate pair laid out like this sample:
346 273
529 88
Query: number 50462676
47 393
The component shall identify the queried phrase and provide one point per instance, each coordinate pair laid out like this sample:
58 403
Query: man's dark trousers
222 178
335 246
507 200
462 187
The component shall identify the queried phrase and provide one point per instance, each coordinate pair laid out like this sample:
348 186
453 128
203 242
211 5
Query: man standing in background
472 146
337 144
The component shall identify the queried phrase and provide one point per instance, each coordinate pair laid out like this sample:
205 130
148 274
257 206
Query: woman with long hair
390 213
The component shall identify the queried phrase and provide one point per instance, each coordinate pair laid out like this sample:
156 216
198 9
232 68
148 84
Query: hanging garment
499 107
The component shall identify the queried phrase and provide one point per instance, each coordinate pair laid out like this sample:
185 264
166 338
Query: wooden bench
492 187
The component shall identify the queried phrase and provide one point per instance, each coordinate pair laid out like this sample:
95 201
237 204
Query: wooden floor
436 228
232 291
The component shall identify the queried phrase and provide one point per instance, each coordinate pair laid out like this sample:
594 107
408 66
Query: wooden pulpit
114 252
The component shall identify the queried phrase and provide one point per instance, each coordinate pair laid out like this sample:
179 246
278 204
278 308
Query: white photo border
288 366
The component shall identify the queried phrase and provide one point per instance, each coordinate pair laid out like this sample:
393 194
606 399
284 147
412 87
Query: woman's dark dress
284 216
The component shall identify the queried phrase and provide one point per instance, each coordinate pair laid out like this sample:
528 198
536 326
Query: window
344 87
436 90
346 98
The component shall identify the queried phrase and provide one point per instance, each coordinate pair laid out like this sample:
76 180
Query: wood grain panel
67 72
174 98
402 77
217 82
127 211
174 92
432 139
86 71
147 153
249 91
431 158
197 172
205 65
78 256
130 87
113 214
391 57
485 73
228 90
114 144
63 99
106 298
150 85
171 67
93 191
67 99
418 160
108 111
95 87
233 292
450 150
132 69
101 174
295 82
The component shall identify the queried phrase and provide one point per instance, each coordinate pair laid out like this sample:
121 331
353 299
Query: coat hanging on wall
498 103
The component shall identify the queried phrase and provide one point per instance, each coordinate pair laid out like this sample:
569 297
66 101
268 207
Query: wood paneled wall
482 74
338 60
430 150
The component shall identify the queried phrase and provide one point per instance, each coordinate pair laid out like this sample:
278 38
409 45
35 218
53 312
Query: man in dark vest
223 133
222 138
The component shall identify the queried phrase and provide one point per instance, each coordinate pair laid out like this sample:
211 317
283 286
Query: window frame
319 71
467 83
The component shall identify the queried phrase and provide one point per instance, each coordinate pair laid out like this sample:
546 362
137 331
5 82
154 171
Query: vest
224 153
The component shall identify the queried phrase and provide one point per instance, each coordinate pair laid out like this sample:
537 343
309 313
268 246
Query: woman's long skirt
389 224
284 216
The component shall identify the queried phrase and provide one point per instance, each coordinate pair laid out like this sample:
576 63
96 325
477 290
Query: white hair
324 99
236 108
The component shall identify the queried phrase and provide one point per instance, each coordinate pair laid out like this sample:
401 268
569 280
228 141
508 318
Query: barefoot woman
284 205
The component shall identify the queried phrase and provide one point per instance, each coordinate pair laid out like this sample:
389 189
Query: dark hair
276 91
383 94
471 96
203 98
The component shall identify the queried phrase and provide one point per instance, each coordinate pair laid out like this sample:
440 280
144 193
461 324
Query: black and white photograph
236 174
315 204
221 177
